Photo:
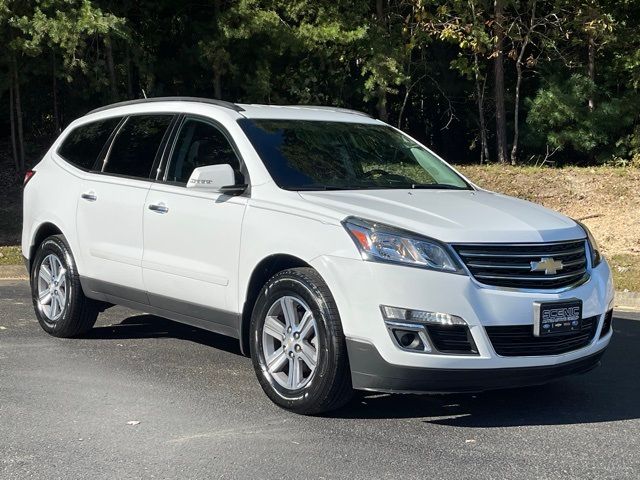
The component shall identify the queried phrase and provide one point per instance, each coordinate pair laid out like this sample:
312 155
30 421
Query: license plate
550 318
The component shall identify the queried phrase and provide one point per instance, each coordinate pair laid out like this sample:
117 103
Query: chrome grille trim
466 253
520 267
509 265
526 277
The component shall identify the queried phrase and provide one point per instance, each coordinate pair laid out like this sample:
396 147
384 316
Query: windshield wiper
437 186
411 186
311 188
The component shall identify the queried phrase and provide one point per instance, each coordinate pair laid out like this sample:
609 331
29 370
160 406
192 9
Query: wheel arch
262 272
43 231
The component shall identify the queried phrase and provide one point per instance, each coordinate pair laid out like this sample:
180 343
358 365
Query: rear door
191 237
109 215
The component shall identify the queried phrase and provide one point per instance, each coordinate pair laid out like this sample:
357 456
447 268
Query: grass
626 272
10 255
605 198
625 267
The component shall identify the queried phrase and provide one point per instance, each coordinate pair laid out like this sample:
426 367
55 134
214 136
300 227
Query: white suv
340 252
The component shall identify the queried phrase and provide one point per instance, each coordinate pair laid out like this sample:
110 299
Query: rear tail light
28 175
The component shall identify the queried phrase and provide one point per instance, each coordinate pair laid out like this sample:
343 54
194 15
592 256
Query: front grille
519 341
510 265
453 339
606 325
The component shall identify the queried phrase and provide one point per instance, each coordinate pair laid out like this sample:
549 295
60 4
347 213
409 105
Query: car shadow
151 326
611 392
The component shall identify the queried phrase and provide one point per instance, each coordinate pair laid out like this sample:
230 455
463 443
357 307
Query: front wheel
297 345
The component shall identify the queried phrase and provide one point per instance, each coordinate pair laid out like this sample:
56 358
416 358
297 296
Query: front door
192 238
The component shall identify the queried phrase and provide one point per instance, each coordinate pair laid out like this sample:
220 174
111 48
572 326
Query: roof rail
335 109
210 101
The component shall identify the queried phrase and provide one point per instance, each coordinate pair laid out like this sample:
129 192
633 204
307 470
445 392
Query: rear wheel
60 305
297 345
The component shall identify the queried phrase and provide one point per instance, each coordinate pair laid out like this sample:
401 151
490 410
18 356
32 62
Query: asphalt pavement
143 397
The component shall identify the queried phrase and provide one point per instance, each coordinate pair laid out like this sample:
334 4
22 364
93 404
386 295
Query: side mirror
215 178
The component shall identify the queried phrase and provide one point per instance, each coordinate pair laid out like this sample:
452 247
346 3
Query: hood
453 215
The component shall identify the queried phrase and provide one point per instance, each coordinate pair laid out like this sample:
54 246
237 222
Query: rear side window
136 144
83 145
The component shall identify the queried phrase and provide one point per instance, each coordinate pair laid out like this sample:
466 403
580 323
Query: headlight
596 257
382 243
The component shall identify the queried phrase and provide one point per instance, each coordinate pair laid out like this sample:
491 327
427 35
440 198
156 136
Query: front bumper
360 287
369 371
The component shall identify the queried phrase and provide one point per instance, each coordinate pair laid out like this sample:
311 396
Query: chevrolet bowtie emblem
548 265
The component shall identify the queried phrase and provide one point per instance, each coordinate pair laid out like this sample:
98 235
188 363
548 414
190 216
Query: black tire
79 313
329 387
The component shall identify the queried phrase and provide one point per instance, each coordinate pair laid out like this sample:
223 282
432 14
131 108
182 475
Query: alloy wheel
290 342
53 287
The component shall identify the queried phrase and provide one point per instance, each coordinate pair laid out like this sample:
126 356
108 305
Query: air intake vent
606 326
535 266
452 339
519 341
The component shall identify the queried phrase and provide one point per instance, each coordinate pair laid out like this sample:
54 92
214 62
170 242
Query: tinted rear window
136 144
83 145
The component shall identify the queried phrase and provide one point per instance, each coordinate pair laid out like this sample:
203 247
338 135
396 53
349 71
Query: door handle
89 196
159 208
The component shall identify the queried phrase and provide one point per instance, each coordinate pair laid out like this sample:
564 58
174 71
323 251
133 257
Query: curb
628 300
623 300
13 272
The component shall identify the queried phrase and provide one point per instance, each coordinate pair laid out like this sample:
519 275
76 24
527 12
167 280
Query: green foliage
559 116
424 65
63 25
316 39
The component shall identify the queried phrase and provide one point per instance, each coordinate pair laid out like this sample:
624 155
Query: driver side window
199 144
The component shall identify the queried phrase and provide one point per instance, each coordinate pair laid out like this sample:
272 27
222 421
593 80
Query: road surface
66 408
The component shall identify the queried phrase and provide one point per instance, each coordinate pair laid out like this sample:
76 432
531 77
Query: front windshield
319 155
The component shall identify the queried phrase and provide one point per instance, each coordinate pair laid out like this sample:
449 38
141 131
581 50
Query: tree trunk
113 87
18 108
592 67
129 74
382 91
484 148
382 105
403 106
217 83
516 108
516 114
498 73
12 120
54 91
217 75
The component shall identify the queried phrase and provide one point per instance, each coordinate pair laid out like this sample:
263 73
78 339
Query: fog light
408 339
408 315
409 336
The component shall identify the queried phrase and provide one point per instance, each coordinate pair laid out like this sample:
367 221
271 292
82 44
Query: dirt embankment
606 199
